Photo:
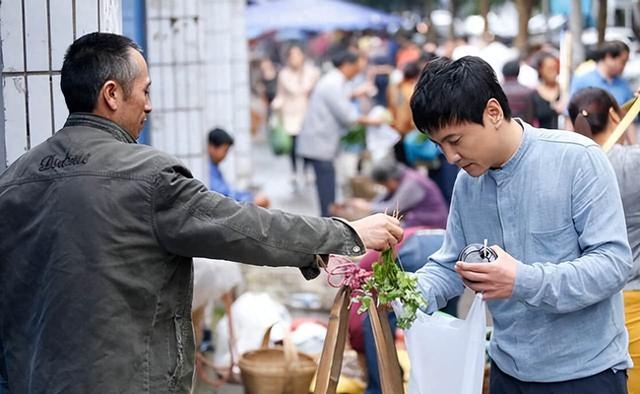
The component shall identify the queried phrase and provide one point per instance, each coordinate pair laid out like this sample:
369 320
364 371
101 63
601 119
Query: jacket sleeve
191 221
605 264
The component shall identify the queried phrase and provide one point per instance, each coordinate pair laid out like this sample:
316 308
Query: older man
97 235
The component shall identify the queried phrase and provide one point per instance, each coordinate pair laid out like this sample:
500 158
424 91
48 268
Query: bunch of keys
477 253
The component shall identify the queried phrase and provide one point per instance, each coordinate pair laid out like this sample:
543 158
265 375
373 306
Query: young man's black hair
452 92
93 60
219 137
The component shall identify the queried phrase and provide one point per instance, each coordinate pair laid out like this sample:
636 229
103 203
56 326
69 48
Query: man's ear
110 93
494 113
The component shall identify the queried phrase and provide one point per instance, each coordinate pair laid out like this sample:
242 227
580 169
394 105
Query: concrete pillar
35 35
198 63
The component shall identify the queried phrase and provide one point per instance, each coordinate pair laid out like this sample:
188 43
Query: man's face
615 65
350 70
470 146
218 153
133 110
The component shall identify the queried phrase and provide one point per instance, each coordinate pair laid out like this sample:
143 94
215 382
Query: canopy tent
313 15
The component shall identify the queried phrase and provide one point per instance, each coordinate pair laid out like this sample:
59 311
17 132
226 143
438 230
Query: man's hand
378 231
495 280
360 204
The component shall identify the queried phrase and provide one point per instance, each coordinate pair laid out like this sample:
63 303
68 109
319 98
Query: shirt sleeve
437 279
605 263
189 220
218 184
342 109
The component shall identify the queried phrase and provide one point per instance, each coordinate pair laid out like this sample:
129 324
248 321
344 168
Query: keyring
477 253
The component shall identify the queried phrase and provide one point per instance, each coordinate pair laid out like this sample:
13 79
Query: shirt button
356 249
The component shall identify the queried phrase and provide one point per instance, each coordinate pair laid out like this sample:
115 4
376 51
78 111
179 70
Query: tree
484 11
524 7
431 33
575 26
602 20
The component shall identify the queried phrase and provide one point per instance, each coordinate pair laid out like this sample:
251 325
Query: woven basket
280 370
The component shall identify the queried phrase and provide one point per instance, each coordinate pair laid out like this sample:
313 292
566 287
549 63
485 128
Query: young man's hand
378 231
495 280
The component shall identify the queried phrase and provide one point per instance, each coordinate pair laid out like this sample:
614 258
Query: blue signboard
134 26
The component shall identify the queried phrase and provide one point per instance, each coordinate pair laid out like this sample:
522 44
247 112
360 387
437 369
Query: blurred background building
197 55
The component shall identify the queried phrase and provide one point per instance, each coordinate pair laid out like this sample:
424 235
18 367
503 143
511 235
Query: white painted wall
35 35
197 55
197 58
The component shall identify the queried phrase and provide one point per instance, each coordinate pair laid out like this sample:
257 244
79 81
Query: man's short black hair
613 48
344 57
511 69
411 70
452 92
219 137
92 60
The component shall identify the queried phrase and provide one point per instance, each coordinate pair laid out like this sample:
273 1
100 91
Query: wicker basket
280 370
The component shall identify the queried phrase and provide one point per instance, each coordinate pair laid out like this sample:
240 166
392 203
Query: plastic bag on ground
252 314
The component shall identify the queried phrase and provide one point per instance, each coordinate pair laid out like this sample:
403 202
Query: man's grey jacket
96 239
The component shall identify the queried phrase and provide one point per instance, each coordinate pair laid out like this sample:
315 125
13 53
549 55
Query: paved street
272 174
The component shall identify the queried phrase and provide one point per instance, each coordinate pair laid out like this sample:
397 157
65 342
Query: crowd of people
524 186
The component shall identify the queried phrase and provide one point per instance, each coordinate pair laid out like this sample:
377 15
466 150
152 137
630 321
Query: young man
97 235
219 143
549 204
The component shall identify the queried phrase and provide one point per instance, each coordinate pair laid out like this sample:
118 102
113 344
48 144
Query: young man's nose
452 156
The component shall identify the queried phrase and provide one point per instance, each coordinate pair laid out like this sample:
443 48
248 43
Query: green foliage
391 283
356 136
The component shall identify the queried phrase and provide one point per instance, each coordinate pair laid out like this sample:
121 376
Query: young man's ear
494 113
110 93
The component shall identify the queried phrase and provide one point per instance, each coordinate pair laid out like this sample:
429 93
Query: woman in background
295 82
546 97
595 114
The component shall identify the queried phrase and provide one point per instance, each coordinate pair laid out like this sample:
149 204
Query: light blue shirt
217 183
618 87
555 207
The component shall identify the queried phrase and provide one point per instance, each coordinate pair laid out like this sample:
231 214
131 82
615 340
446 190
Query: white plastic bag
447 354
252 314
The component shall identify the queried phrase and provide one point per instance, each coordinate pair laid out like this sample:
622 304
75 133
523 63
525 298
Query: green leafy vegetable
391 283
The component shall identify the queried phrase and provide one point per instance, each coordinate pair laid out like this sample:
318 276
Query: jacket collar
98 122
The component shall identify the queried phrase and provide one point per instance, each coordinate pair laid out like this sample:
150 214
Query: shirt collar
511 166
98 122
